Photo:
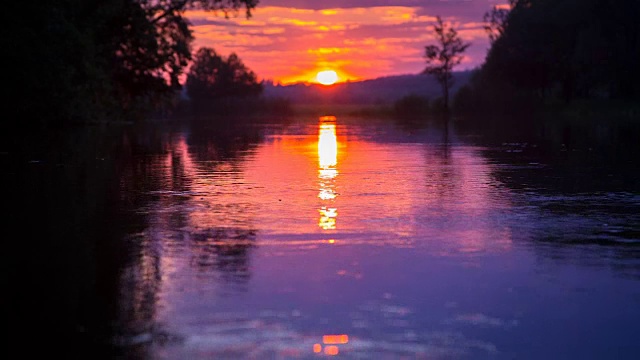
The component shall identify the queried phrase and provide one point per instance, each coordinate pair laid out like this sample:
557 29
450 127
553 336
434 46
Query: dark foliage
213 78
411 107
547 52
88 60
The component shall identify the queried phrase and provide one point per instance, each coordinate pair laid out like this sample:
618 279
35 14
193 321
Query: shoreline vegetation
422 109
569 59
414 110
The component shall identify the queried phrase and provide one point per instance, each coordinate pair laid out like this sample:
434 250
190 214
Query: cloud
358 39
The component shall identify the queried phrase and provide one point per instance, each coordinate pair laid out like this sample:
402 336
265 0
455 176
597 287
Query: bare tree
443 57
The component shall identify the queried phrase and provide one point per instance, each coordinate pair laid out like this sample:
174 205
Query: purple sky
291 40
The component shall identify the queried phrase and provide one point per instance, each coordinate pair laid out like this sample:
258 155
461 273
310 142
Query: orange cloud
289 45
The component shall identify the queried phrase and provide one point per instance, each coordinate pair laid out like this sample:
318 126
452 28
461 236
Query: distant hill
383 90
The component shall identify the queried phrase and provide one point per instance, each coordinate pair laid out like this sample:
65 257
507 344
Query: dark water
256 241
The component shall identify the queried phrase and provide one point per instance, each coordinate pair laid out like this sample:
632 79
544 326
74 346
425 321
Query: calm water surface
403 244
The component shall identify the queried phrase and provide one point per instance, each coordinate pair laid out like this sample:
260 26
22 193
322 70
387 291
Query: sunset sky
291 40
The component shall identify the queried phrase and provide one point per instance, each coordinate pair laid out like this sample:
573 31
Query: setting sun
327 77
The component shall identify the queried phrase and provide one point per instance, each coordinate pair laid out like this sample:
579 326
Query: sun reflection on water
331 343
328 218
327 171
327 150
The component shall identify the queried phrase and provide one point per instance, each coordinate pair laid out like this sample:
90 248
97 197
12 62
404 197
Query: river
329 237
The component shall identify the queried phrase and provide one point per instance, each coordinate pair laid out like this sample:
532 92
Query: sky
287 41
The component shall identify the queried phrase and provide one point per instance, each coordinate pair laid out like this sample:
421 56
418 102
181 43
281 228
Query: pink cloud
358 39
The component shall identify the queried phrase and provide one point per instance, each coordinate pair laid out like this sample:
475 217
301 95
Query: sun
327 77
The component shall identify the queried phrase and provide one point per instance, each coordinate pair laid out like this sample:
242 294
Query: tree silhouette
90 60
496 21
443 57
213 77
544 52
154 46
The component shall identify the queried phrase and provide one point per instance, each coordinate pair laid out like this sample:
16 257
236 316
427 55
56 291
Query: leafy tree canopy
211 77
79 60
566 48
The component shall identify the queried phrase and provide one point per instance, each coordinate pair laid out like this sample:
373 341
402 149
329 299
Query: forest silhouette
88 61
77 61
557 52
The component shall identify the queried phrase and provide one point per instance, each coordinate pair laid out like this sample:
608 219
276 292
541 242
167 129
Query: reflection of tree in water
441 174
90 258
159 175
440 167
580 194
227 142
140 282
139 277
224 244
77 218
225 250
